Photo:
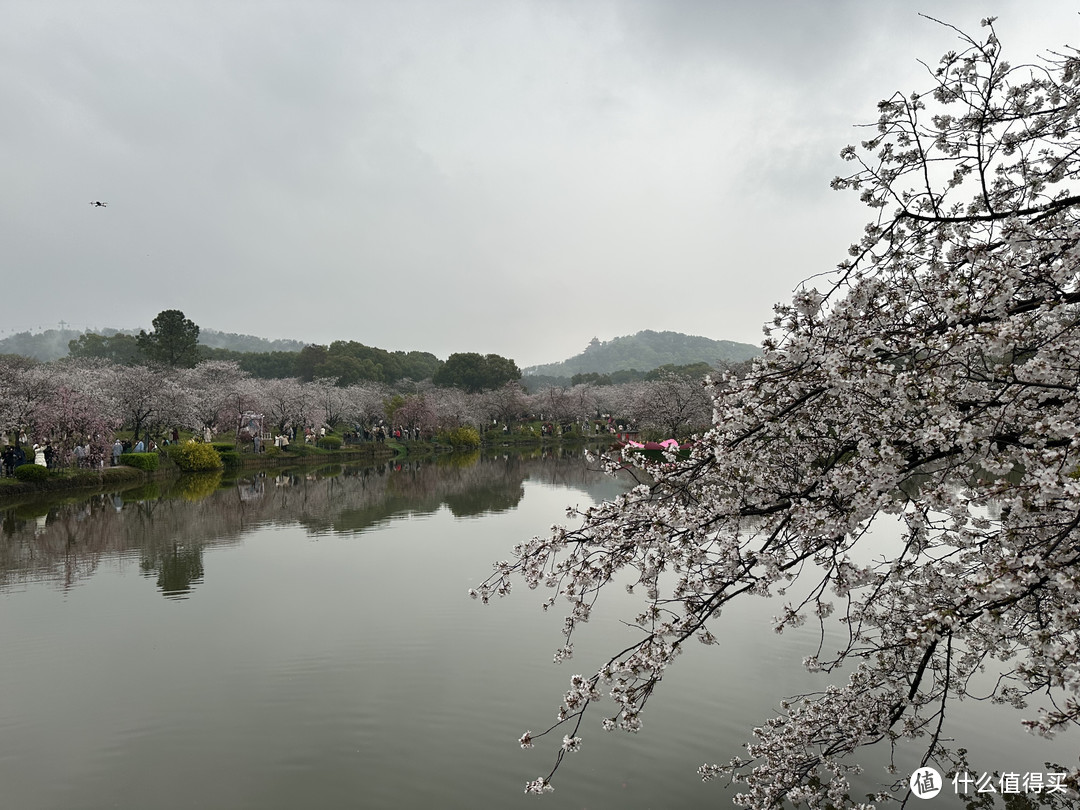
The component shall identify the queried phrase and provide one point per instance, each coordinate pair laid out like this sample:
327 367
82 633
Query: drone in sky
99 204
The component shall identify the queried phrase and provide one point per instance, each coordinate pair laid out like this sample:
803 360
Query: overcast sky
509 176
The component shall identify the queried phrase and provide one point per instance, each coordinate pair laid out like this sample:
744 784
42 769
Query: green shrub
195 457
31 472
463 437
223 447
140 461
230 458
330 442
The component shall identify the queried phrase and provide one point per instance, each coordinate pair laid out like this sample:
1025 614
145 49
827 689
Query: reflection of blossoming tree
196 511
933 383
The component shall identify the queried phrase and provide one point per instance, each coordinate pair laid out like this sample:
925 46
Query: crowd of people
83 455
87 454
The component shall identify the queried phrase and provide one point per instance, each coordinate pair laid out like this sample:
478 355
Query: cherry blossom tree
364 403
330 398
218 392
291 403
78 409
308 407
931 383
582 401
416 413
555 404
506 403
280 398
24 384
138 393
673 404
454 408
619 400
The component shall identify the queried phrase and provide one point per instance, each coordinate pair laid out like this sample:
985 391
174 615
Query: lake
305 639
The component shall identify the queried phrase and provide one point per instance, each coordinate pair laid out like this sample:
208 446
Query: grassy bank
72 479
308 453
111 479
115 478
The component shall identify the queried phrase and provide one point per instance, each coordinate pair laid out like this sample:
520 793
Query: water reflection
353 671
166 525
177 569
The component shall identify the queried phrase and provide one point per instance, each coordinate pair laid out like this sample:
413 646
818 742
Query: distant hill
645 351
246 343
52 344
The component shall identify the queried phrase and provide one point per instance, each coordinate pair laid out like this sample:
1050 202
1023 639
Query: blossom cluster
934 383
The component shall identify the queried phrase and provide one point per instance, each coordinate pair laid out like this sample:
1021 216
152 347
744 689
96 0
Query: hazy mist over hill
52 344
645 351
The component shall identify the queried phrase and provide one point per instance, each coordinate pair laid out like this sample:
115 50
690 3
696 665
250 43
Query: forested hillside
213 339
645 351
628 358
52 344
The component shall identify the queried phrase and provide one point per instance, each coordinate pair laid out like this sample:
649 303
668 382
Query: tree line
81 400
174 342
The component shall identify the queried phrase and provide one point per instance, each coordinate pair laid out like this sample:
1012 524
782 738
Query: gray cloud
511 177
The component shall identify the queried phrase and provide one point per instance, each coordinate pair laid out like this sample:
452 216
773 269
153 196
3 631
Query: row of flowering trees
79 400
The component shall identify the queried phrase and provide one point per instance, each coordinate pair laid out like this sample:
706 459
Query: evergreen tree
174 341
475 372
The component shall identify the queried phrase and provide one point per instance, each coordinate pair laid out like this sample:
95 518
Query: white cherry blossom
932 380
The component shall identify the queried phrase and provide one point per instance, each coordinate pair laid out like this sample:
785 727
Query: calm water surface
305 640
